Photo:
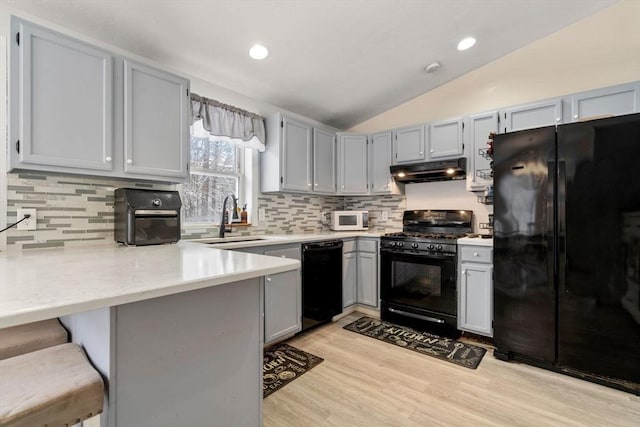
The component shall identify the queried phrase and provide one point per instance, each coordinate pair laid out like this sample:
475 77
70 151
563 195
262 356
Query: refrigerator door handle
562 226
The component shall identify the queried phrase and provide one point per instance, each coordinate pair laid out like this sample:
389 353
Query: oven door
423 283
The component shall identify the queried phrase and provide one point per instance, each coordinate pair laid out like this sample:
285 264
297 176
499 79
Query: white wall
601 50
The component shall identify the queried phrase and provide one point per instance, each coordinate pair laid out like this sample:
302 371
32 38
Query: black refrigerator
567 249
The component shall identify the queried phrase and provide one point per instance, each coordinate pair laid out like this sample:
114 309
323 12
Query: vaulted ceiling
339 62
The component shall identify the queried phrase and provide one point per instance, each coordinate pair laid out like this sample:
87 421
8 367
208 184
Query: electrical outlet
29 223
262 214
385 216
324 217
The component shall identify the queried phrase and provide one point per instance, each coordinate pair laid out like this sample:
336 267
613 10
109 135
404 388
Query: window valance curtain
224 121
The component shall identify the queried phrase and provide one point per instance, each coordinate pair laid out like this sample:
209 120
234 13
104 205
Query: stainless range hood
439 170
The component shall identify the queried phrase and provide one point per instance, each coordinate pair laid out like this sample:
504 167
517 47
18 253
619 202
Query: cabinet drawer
367 245
292 253
476 254
348 246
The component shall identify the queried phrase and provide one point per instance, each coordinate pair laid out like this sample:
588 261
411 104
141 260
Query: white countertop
478 241
43 284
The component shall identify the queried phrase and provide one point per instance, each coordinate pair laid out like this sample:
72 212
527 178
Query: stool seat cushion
34 336
55 386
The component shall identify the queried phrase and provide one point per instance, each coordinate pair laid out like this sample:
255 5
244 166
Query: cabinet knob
107 159
475 254
557 119
464 272
316 184
575 116
268 279
129 161
421 153
431 151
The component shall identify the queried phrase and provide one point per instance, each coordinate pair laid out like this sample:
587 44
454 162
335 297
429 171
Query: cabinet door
64 89
380 151
156 128
324 161
282 299
349 279
352 159
368 279
611 101
480 126
296 156
475 305
408 144
445 139
530 116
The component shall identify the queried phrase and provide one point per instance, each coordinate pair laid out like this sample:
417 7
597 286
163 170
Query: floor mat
283 364
446 349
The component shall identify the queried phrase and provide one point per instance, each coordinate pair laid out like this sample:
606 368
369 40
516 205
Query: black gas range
418 270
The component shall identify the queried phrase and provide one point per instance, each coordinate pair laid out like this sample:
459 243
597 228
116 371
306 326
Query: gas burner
427 236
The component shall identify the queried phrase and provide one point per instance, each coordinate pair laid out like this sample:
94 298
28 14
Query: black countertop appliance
567 249
146 217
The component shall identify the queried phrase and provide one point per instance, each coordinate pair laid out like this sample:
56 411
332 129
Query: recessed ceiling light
258 52
466 43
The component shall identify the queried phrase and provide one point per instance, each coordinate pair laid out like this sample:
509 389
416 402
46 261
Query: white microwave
349 220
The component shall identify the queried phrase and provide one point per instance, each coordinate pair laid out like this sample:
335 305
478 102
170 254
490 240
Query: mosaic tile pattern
71 210
78 210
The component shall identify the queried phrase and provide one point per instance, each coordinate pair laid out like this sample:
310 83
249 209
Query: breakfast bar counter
176 331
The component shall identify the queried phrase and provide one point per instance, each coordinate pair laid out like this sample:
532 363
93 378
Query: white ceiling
339 62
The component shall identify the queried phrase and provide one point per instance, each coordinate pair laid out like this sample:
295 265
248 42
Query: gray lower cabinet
282 299
475 293
349 272
79 109
360 272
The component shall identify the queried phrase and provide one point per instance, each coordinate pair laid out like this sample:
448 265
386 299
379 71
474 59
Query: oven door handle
415 316
432 255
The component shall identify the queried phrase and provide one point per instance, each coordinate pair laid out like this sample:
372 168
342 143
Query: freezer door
599 247
524 292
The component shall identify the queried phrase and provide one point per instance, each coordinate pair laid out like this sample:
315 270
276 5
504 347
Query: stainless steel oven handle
143 212
415 316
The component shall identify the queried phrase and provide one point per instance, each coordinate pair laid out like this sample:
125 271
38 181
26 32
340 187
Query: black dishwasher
321 282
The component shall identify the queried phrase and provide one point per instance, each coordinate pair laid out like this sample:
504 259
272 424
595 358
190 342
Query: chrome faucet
223 222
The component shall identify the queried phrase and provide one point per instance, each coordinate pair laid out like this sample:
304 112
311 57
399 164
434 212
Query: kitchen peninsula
176 330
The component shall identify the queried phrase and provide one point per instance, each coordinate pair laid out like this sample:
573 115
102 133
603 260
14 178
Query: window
216 172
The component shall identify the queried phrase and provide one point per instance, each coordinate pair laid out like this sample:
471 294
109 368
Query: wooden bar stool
55 386
34 336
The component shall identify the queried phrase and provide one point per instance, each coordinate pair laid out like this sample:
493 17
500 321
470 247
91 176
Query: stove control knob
400 244
392 244
431 246
439 247
414 245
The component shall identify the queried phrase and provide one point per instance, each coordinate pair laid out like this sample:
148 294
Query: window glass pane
203 196
213 155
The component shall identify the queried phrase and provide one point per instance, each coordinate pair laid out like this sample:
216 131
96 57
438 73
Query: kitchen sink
218 240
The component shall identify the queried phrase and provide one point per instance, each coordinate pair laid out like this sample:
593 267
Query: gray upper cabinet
324 161
296 151
545 113
408 144
479 169
445 139
610 101
352 164
380 152
156 130
79 109
62 101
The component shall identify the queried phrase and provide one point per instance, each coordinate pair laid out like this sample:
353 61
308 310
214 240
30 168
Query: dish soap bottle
243 215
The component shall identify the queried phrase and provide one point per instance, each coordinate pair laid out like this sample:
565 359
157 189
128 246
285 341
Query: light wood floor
366 382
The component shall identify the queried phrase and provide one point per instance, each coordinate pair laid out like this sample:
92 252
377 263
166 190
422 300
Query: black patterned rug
446 349
283 364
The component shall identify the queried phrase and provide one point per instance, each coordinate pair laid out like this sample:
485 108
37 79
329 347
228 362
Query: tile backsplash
78 210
